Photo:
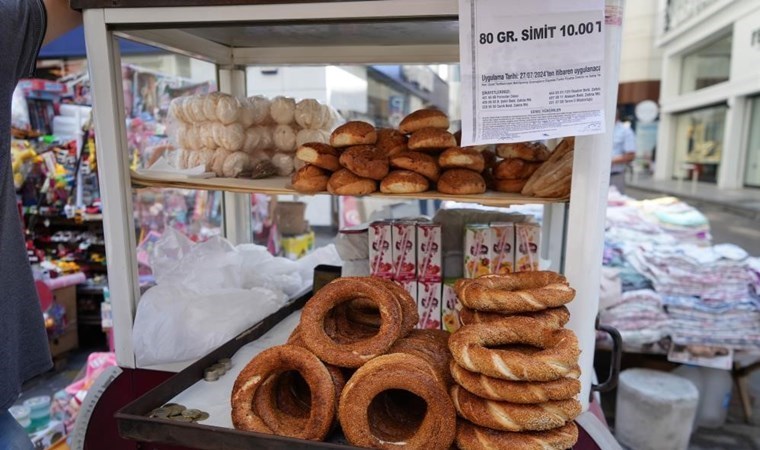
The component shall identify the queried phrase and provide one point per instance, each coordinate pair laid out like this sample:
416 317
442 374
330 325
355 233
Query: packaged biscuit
450 307
380 253
429 304
404 244
502 248
477 243
527 245
429 252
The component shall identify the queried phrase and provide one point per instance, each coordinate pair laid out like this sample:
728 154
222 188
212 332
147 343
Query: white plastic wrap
260 107
310 114
194 109
246 118
236 164
265 133
192 137
230 137
206 135
176 111
209 292
228 109
304 136
203 157
217 163
210 102
284 163
283 110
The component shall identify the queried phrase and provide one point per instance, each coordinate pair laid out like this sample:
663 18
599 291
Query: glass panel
752 172
707 65
699 143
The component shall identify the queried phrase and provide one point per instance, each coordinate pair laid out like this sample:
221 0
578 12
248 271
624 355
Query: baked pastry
260 106
203 157
473 348
507 416
177 110
310 179
210 102
284 138
515 292
345 182
305 135
461 182
558 154
390 142
365 161
192 137
264 370
283 110
320 155
421 163
528 151
237 164
424 118
515 169
430 345
229 137
284 164
205 133
555 182
227 109
431 139
372 416
353 133
509 186
217 162
525 392
403 182
462 158
357 353
474 437
247 113
553 317
194 109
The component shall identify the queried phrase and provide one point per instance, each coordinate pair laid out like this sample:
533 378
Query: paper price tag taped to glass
531 70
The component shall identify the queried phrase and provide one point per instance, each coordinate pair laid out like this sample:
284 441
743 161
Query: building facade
710 92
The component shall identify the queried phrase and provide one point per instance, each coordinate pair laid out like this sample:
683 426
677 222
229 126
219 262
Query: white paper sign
531 70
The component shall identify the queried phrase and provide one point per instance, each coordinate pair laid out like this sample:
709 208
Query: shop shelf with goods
346 32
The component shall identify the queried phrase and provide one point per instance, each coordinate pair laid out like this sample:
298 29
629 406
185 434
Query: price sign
531 70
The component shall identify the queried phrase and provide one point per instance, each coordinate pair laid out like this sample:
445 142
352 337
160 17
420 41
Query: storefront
710 84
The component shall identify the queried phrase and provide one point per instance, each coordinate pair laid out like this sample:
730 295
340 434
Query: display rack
346 32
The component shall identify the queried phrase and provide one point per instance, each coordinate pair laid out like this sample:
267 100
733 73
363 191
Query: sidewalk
744 202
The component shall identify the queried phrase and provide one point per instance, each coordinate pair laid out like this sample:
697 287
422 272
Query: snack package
429 304
404 244
409 286
380 253
502 248
429 252
477 242
450 307
527 242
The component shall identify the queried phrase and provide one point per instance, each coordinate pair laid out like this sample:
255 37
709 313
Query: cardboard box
450 307
410 286
380 252
477 244
404 244
429 252
527 246
502 248
429 295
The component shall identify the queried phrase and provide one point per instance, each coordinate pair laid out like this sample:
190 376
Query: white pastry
284 138
260 106
309 114
284 164
283 110
210 103
233 137
194 109
206 135
228 109
305 136
217 163
176 111
267 141
246 113
236 164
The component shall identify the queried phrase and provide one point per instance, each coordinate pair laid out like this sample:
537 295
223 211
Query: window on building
752 170
699 142
707 65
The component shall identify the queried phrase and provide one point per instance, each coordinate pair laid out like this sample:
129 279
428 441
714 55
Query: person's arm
629 144
60 19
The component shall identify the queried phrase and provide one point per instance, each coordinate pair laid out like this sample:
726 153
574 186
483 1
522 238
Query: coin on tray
203 416
160 413
181 419
191 413
175 410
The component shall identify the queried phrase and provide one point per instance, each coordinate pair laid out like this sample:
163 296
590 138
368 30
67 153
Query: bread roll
283 110
260 107
353 133
404 182
309 114
284 138
424 118
310 179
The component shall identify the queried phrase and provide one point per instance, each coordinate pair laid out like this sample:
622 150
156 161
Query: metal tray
134 423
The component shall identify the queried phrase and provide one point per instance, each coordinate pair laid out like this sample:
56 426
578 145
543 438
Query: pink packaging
477 242
429 260
380 253
502 248
409 286
404 244
527 244
429 304
450 307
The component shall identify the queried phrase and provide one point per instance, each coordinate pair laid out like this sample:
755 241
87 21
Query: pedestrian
24 351
623 152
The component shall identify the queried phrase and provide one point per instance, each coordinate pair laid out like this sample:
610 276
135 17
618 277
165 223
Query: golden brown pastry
421 163
462 158
353 133
528 151
431 139
310 179
320 155
424 118
403 182
390 142
365 161
345 182
515 169
509 186
461 182
474 437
